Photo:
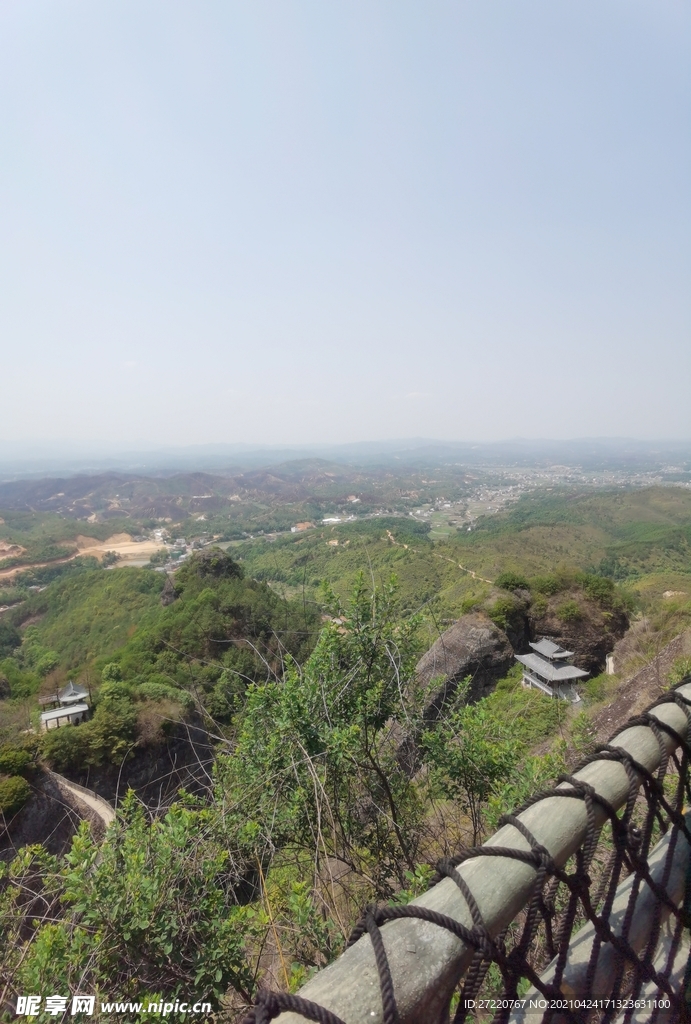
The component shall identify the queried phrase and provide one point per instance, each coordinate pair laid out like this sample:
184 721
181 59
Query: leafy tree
111 673
10 638
160 557
21 682
152 909
47 662
14 792
107 738
315 766
470 755
512 581
67 748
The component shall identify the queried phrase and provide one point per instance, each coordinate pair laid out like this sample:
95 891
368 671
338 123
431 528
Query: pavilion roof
74 709
71 693
552 673
548 649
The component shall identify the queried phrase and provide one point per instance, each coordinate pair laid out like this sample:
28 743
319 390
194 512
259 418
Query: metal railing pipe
426 961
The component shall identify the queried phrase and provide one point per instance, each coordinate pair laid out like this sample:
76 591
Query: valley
281 681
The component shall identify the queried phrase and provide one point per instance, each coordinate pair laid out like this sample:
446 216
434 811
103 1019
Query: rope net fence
603 936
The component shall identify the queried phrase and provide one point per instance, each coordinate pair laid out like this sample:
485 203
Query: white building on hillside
58 717
549 669
72 707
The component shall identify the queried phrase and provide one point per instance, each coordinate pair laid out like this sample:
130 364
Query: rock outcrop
591 637
473 647
168 594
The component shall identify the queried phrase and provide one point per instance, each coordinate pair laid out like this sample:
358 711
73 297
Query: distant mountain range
34 459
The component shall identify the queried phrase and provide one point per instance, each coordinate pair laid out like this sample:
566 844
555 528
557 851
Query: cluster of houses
69 706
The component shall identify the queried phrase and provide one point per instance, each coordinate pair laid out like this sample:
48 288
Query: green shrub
594 688
511 681
680 669
502 611
599 588
115 690
67 748
159 691
14 792
533 714
545 584
538 606
107 738
512 581
14 760
47 662
569 611
212 563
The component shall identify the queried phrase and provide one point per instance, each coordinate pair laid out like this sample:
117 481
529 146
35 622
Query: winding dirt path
470 572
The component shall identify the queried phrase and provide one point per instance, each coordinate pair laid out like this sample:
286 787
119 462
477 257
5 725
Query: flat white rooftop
75 709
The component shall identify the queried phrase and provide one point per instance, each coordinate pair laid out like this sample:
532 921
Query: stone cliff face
473 647
591 637
50 817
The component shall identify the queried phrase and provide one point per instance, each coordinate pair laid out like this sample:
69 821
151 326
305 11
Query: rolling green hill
639 537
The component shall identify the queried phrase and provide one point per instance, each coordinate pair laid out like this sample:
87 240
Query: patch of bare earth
121 543
10 550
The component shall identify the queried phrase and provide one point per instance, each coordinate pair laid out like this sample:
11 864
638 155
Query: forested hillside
276 683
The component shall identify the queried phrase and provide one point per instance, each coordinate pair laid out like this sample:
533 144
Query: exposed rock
473 647
50 817
168 594
591 637
518 622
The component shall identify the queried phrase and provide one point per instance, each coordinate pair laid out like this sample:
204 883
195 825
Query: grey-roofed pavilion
548 668
71 694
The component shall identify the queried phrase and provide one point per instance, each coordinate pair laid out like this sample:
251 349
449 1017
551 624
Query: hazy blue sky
302 220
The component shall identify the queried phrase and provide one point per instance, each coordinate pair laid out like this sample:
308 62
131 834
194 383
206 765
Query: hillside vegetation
295 659
641 539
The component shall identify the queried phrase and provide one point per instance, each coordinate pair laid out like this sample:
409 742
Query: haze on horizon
302 222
